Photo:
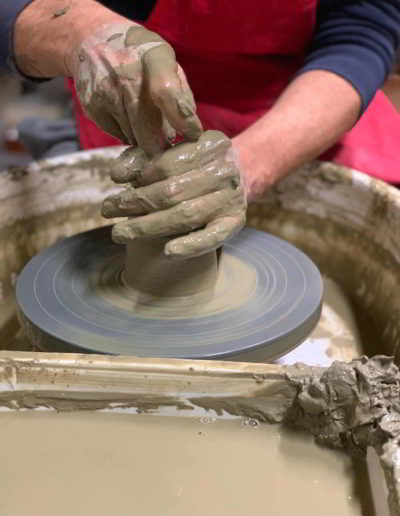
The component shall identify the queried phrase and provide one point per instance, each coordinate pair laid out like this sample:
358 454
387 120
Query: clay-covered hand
131 86
193 190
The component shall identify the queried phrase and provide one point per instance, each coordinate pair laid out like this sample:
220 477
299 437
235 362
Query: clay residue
70 401
60 12
354 406
351 405
131 66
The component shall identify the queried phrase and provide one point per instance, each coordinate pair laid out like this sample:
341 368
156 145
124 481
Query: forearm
309 117
48 32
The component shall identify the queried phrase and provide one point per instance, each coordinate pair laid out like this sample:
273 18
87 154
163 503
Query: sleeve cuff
354 65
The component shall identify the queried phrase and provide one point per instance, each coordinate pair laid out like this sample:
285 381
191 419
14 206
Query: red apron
238 59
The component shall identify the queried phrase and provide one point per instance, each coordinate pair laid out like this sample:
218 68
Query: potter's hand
130 85
191 186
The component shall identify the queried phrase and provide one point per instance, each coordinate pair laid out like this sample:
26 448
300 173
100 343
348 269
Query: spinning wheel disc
266 301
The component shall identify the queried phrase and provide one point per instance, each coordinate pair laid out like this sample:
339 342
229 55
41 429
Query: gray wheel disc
67 302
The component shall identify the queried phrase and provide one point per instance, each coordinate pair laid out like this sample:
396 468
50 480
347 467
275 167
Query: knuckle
217 136
162 90
169 190
121 172
185 106
186 210
162 166
227 172
214 142
125 200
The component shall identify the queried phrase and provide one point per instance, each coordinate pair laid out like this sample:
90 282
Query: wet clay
348 405
60 12
152 285
109 463
148 269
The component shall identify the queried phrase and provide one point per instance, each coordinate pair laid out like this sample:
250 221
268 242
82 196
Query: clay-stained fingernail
122 233
169 132
113 205
185 106
107 208
121 173
174 250
193 128
183 248
128 165
191 100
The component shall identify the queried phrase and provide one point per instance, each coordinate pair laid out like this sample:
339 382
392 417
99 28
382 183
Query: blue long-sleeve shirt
356 39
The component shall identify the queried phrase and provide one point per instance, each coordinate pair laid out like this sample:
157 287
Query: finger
170 91
146 120
184 157
107 110
168 130
128 166
205 240
126 98
126 128
165 194
153 133
183 218
138 35
107 123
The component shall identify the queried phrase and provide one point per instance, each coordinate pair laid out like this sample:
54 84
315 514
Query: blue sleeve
9 11
356 39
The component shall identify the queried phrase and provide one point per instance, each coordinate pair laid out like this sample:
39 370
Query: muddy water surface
97 464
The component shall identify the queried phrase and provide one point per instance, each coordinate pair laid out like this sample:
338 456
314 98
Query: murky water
97 464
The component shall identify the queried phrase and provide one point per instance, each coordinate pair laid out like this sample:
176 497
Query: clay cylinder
148 269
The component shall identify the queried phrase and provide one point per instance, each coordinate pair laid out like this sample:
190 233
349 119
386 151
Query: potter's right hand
192 193
131 86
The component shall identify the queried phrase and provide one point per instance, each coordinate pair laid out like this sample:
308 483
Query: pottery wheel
265 301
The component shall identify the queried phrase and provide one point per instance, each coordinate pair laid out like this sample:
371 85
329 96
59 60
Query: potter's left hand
193 190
